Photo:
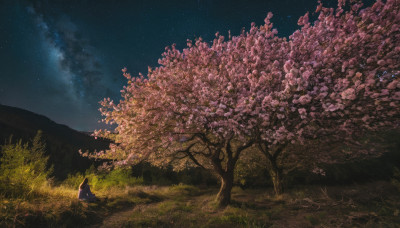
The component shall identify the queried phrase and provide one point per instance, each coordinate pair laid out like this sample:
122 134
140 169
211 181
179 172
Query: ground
375 204
366 205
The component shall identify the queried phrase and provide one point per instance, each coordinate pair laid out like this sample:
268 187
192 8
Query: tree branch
190 155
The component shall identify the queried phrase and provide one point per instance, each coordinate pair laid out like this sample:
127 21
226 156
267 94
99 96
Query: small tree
23 167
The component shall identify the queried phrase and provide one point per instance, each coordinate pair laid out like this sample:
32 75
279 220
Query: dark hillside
62 142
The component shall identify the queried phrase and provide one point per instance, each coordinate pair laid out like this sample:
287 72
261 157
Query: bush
118 178
251 170
104 180
23 168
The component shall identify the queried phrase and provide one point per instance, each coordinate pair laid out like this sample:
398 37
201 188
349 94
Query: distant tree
205 105
37 157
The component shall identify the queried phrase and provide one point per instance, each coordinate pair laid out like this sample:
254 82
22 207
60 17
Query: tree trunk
274 171
224 194
277 177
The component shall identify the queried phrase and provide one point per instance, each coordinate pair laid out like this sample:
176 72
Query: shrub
104 180
23 167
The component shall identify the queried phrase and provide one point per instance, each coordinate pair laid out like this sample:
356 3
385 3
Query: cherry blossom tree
185 112
339 80
331 80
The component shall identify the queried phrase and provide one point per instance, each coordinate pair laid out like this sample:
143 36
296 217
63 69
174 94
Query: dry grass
374 204
369 205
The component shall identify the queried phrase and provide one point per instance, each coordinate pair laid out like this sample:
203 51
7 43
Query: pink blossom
302 112
396 96
384 92
305 99
349 94
274 103
287 66
332 108
393 85
319 171
306 75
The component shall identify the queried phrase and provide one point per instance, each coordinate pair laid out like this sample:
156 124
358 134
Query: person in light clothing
85 193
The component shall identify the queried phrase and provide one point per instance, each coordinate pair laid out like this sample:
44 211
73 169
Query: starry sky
60 58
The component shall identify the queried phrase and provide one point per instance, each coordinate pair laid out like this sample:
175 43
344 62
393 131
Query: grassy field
374 204
31 197
368 205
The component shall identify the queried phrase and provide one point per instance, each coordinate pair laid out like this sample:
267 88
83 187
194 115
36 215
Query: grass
59 206
369 205
374 204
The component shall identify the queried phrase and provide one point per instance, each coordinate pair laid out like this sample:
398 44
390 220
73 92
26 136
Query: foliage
23 167
119 178
153 175
251 170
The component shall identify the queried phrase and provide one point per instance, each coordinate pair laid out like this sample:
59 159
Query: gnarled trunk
224 194
274 170
225 172
277 178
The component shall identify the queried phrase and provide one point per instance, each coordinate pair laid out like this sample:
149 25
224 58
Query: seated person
85 193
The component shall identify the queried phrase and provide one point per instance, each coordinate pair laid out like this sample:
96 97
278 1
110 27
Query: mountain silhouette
62 142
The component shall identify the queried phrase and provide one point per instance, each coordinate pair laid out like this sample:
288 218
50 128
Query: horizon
34 113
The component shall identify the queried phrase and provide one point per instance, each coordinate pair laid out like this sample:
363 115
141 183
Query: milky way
69 80
80 69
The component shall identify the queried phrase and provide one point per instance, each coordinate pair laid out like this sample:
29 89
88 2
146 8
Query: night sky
60 58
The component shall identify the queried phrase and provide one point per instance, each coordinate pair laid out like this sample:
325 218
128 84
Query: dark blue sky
60 58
